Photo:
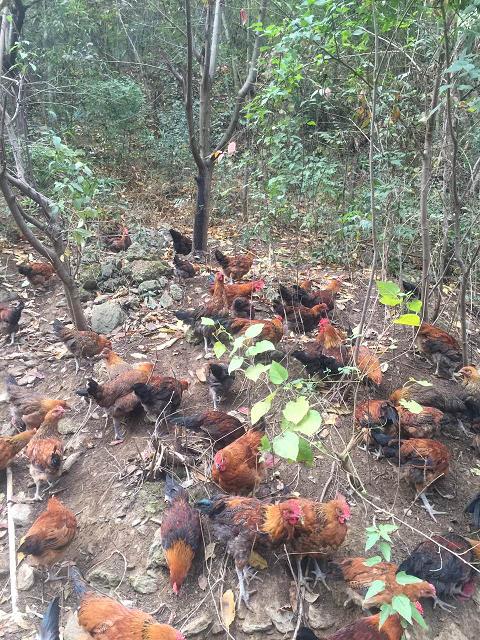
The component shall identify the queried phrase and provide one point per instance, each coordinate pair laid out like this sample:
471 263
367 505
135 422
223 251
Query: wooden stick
11 544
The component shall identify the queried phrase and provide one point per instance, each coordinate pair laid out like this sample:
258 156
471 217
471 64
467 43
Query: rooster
82 344
160 396
242 289
219 382
377 416
441 348
121 242
11 445
300 295
38 274
234 267
181 533
181 243
221 427
10 313
28 408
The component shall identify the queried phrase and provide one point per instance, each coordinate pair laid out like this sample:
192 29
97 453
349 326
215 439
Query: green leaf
287 445
414 305
412 406
265 444
235 363
254 330
372 540
376 587
261 408
255 371
417 616
402 605
385 550
422 383
237 344
260 347
219 349
388 288
386 611
207 322
277 374
408 319
404 578
389 528
371 562
390 301
310 424
296 410
305 453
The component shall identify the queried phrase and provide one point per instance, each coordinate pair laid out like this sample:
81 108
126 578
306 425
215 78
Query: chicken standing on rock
28 408
10 313
181 533
181 243
121 242
11 445
441 348
160 396
221 427
37 273
234 267
82 344
219 382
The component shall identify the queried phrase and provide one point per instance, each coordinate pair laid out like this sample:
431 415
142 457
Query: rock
89 276
144 584
141 270
320 617
156 556
109 268
103 578
67 425
107 316
72 630
165 300
7 296
22 514
148 285
198 625
147 244
176 292
192 338
25 577
257 621
4 564
217 628
283 620
113 284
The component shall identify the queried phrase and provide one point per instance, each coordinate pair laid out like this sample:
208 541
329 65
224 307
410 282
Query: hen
221 427
470 379
181 243
272 329
181 533
301 319
447 402
219 382
445 561
183 268
50 626
115 364
45 451
243 308
10 313
368 629
28 408
82 344
11 445
441 348
106 619
234 267
237 468
37 273
47 540
300 295
243 290
160 396
121 242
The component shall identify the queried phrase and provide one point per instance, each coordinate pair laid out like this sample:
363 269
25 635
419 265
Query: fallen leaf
330 418
210 551
200 373
167 344
384 367
227 608
257 561
202 582
311 597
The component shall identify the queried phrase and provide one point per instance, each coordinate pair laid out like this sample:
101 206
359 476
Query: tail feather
49 629
91 389
206 506
172 488
79 585
474 508
189 422
221 258
24 269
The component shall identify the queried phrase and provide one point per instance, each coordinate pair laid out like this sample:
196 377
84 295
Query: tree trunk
202 212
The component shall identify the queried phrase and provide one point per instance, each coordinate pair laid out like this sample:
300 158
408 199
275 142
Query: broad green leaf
417 616
404 578
390 301
310 424
287 445
254 330
386 611
388 288
412 406
255 371
296 410
372 540
371 562
260 347
402 605
219 349
261 408
414 305
376 587
384 534
208 322
237 344
408 319
265 444
235 363
305 453
277 374
389 528
385 550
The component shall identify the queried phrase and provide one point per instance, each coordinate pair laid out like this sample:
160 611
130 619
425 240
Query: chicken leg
119 433
431 511
244 595
443 605
319 574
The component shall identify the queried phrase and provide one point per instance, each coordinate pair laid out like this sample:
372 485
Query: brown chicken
298 294
121 242
10 313
37 273
242 290
243 308
422 461
115 364
106 619
358 577
237 468
221 427
442 349
183 268
181 533
234 267
160 396
448 402
272 329
45 451
82 344
181 243
470 379
301 319
11 445
47 540
420 425
28 408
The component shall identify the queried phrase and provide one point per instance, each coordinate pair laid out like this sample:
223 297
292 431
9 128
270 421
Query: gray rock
22 514
107 316
7 296
4 564
320 617
25 577
257 621
156 556
198 625
148 286
148 244
216 628
141 270
112 285
108 269
165 300
176 292
67 425
103 578
144 584
283 620
451 631
90 275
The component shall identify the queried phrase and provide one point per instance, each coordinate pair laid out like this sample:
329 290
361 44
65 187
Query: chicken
377 416
116 365
121 242
10 313
28 408
117 396
47 540
160 396
82 344
470 379
420 425
37 273
50 626
181 533
234 267
272 329
451 402
242 290
368 629
422 461
45 451
243 308
219 382
445 561
183 268
237 468
299 295
241 523
473 507
359 577
441 348
106 619
221 427
301 319
11 445
181 243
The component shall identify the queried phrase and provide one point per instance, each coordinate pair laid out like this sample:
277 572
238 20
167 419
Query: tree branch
188 91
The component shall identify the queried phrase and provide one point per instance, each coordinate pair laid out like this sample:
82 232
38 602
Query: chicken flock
401 428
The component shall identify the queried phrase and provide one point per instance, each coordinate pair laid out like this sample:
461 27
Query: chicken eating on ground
242 290
160 396
11 445
299 318
121 242
234 267
272 329
243 308
183 268
106 619
10 313
181 533
181 243
115 364
82 344
219 382
221 427
45 451
300 295
28 408
441 348
47 540
37 273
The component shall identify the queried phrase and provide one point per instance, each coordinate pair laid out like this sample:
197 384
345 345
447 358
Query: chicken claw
443 605
431 511
319 574
244 595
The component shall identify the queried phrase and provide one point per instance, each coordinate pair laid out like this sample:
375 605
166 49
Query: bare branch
215 39
189 91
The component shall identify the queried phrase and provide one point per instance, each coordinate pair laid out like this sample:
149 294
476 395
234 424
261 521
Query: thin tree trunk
200 226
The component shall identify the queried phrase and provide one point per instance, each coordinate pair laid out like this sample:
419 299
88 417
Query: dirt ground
119 512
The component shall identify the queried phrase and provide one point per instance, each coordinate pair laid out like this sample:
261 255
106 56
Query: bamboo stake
11 545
